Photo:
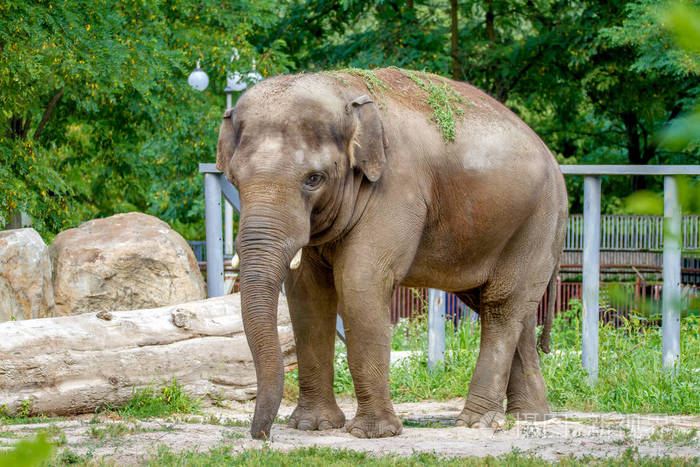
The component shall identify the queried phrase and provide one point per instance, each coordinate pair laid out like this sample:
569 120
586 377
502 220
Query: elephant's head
297 148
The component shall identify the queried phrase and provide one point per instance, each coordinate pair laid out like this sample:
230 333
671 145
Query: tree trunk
499 89
75 364
635 154
454 30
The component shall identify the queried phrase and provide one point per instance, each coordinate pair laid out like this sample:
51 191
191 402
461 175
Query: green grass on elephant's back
631 379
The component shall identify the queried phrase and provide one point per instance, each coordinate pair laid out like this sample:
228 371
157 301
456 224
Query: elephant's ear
226 143
366 147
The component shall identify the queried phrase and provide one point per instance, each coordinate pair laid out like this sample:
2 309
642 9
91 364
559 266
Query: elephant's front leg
313 307
364 309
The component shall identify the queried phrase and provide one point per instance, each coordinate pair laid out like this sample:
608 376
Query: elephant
375 179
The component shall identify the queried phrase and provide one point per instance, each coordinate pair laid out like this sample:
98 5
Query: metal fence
632 233
199 248
618 233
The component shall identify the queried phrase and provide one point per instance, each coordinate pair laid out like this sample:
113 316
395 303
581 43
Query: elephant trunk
265 252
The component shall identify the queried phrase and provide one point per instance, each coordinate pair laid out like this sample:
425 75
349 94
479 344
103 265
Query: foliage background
98 118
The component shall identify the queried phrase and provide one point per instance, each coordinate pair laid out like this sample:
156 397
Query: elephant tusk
235 262
296 261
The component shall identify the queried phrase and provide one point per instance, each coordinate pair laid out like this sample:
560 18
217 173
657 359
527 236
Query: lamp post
235 81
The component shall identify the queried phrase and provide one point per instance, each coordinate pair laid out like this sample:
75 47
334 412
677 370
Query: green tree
98 115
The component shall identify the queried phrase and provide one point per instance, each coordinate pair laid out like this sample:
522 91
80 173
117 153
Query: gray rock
26 290
123 262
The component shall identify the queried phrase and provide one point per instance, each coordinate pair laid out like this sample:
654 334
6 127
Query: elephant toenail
305 425
358 433
479 425
325 425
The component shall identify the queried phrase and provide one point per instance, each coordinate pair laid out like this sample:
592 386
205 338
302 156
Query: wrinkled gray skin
376 198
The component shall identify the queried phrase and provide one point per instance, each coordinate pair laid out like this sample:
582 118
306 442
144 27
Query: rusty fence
618 301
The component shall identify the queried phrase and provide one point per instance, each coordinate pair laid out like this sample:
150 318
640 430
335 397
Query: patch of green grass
631 378
149 402
510 422
375 86
290 391
224 456
427 423
111 431
69 457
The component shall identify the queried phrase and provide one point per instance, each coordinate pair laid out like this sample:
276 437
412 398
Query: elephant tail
549 316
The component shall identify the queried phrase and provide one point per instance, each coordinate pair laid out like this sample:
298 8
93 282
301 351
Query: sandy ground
577 433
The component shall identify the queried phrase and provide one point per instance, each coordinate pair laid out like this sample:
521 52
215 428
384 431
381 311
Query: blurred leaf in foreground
647 202
684 22
27 453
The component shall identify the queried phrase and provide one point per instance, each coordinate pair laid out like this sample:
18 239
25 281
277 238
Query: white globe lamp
198 79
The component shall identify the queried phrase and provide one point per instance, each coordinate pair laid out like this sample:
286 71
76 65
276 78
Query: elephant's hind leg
501 327
526 388
313 307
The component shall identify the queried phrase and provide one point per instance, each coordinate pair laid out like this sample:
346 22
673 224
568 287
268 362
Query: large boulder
26 290
123 262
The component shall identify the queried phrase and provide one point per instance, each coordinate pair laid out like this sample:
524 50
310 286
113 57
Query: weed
111 431
231 435
149 402
290 391
68 457
217 399
674 436
232 422
7 419
54 433
510 422
22 417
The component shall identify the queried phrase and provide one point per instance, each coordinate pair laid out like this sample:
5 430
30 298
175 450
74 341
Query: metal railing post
591 276
436 327
228 228
671 322
212 221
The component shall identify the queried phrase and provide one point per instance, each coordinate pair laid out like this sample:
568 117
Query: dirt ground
431 430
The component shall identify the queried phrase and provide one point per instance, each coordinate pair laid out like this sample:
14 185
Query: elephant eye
314 180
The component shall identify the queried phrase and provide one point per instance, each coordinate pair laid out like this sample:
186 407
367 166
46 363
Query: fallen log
75 364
